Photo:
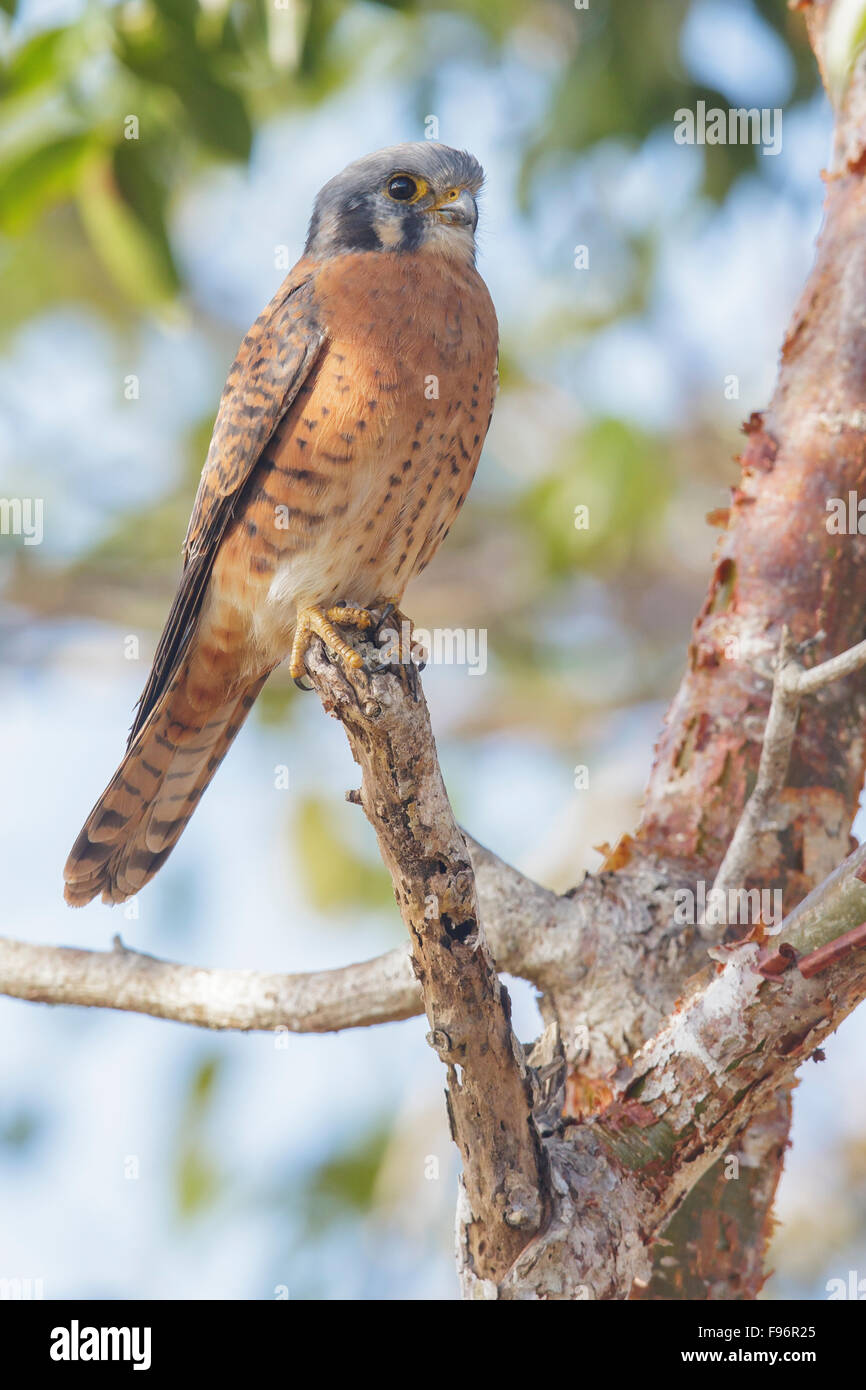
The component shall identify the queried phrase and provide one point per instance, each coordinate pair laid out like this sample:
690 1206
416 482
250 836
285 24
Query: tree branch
519 918
728 1055
776 563
791 683
322 1001
489 1089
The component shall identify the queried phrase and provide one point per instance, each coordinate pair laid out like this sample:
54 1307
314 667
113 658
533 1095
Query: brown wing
272 363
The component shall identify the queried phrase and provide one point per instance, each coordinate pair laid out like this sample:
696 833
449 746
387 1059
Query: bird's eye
402 188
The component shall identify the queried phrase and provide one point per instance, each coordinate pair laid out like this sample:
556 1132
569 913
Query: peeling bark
778 564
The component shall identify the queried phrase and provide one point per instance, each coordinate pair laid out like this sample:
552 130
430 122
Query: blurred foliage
343 1185
108 119
335 877
197 1179
112 114
626 78
619 474
21 1130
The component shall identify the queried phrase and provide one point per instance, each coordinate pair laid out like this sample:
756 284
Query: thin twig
806 682
791 683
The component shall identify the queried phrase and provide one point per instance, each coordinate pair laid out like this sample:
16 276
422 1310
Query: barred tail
141 815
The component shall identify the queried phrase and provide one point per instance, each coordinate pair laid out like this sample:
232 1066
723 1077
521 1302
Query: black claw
299 682
386 613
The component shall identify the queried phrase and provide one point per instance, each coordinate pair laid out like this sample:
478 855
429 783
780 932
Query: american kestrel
347 437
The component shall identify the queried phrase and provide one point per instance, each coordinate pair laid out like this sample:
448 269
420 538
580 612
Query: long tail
141 815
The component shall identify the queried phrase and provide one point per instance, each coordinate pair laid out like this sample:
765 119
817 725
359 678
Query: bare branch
321 1001
806 682
791 683
518 916
489 1088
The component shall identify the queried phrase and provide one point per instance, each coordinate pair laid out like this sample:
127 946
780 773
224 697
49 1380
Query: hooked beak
461 211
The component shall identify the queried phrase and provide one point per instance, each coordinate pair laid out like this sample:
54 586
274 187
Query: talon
299 682
313 620
349 615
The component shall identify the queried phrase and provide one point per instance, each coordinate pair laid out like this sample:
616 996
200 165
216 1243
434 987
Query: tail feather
142 813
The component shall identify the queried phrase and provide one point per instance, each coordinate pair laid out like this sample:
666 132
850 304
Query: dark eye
402 188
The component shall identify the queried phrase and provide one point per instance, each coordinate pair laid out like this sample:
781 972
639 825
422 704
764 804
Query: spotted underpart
347 437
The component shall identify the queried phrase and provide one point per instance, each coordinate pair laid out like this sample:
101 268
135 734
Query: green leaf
138 167
136 259
218 115
36 63
29 182
345 1183
622 475
216 112
322 17
197 1178
335 877
203 1087
197 1182
181 12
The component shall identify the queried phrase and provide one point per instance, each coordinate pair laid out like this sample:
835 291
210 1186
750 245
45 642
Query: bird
347 436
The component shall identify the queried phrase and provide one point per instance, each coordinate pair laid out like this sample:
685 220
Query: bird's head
409 197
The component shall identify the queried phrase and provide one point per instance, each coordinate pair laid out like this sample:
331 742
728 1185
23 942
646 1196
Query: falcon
347 437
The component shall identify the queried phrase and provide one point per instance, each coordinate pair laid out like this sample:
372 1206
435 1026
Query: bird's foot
401 657
313 622
349 615
393 619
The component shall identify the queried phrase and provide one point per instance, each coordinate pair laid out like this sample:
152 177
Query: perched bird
347 437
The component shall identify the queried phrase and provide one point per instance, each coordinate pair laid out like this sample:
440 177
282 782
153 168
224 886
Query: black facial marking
412 222
357 232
